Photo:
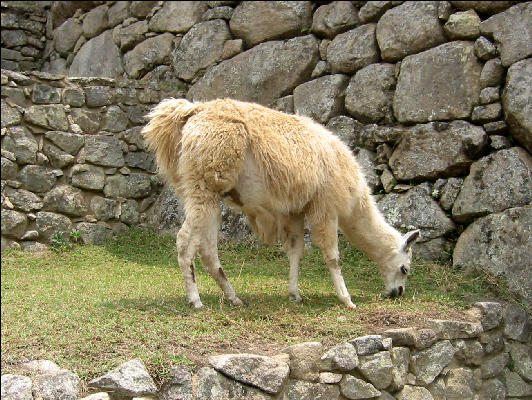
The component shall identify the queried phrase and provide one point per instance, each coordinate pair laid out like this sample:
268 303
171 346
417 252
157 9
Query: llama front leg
294 247
187 246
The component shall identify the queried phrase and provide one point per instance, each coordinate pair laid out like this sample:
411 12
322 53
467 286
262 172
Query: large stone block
49 224
100 56
36 178
500 244
14 223
149 53
86 176
52 117
353 50
177 16
21 142
129 186
104 150
213 385
262 74
67 200
428 364
438 84
337 17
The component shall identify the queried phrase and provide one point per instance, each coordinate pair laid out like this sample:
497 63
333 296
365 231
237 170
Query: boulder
10 115
151 52
9 169
259 21
36 178
114 120
493 389
492 73
400 361
63 384
95 21
103 49
20 141
521 356
353 50
45 94
493 366
179 384
67 200
337 17
517 323
104 150
305 360
428 364
451 329
94 233
369 344
511 30
496 182
52 117
16 387
414 393
484 7
344 127
263 372
167 213
104 209
58 158
66 36
213 385
49 224
516 102
200 48
489 313
132 35
372 135
177 16
515 385
437 150
484 49
500 244
223 12
98 96
409 28
438 84
301 390
141 9
14 223
262 74
129 212
141 160
354 388
377 369
342 358
322 98
369 96
129 186
23 199
463 25
373 10
88 121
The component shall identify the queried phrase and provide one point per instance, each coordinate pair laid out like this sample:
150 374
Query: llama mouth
396 292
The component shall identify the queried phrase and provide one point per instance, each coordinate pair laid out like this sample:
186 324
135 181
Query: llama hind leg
187 244
294 246
325 236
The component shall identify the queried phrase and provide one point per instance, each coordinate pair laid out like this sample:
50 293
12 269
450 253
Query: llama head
396 267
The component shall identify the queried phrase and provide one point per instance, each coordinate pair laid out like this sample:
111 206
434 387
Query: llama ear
410 238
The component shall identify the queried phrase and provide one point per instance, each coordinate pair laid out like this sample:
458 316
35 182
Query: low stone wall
489 357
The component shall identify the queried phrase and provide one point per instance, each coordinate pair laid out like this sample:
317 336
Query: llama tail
162 134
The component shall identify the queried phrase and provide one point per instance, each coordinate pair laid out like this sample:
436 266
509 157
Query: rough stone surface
337 17
67 35
449 192
16 387
36 178
177 16
178 386
517 326
104 150
92 233
492 389
212 385
377 368
414 393
353 50
428 364
62 384
494 366
451 329
515 386
67 200
133 186
14 223
21 142
49 224
373 10
463 25
342 357
57 157
368 344
438 84
52 117
305 360
101 48
489 313
492 73
344 127
301 390
400 360
521 356
354 388
150 52
23 199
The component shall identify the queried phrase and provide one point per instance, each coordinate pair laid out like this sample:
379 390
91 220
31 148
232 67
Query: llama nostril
400 290
393 293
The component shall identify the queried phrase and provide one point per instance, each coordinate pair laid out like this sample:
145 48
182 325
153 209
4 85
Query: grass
89 308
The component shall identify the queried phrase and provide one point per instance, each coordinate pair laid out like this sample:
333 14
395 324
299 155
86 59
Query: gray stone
366 160
200 48
137 114
301 390
516 101
149 53
451 329
63 385
74 97
400 360
141 160
373 10
21 142
305 360
262 74
344 127
104 209
414 393
498 142
322 98
114 120
515 385
256 22
354 388
416 208
369 96
118 13
232 48
492 389
463 25
470 351
438 84
484 7
492 73
436 150
14 223
511 30
129 379
353 50
134 136
377 368
337 17
368 344
131 186
518 325
489 313
521 356
9 169
167 213
409 28
484 49
486 113
449 192
132 35
88 177
497 128
52 117
428 364
129 212
66 200
330 378
104 150
263 372
16 387
45 94
177 16
372 135
489 95
178 386
10 115
496 182
342 357
58 158
69 142
212 385
98 96
14 38
322 68
49 224
493 366
92 233
284 104
224 12
141 8
36 178
103 49
95 21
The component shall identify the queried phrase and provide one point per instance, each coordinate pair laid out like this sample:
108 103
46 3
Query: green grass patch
88 308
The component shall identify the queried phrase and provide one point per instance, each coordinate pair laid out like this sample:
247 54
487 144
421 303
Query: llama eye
404 270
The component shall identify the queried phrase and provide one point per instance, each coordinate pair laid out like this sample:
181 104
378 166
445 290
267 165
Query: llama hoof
196 304
295 298
239 303
351 305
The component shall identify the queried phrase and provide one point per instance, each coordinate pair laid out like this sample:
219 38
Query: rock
36 178
354 388
129 213
438 84
146 55
97 396
489 313
104 150
521 357
16 387
500 142
344 127
92 233
301 390
87 121
224 12
66 36
449 192
409 28
369 96
511 30
516 102
141 160
52 117
305 360
101 48
177 17
212 385
492 73
436 150
428 364
21 142
463 25
484 49
98 96
492 389
10 115
377 368
131 186
497 128
330 378
322 98
372 135
400 360
134 136
232 48
373 10
353 50
66 200
178 386
369 344
167 213
117 13
262 74
450 329
132 35
23 199
95 21
486 113
256 22
518 325
49 224
414 393
141 9
337 17
129 379
14 223
200 48
13 38
496 182
489 95
62 384
484 7
494 366
416 208
342 357
58 158
45 94
515 386
9 169
104 209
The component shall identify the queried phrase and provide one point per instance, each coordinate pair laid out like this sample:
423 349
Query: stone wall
433 97
488 357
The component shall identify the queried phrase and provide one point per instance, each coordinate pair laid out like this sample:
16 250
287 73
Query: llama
278 169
